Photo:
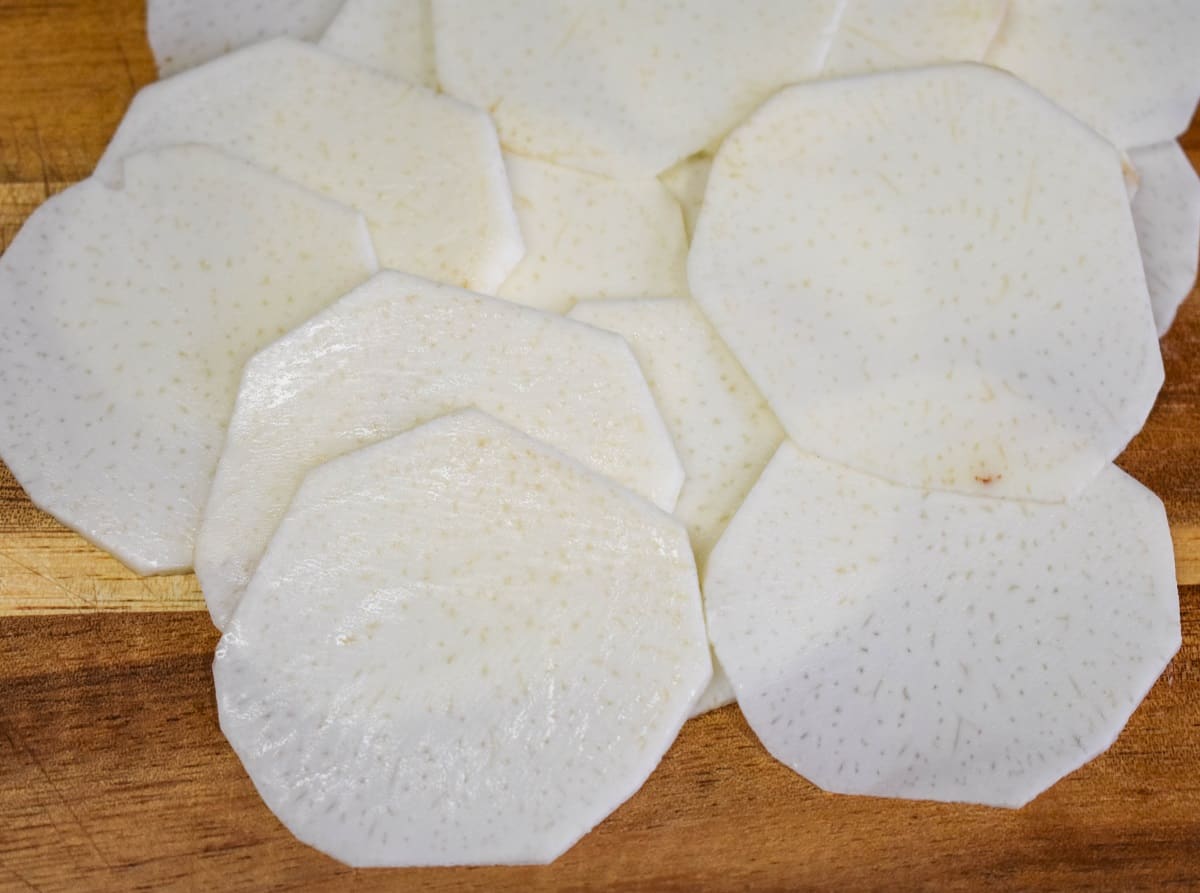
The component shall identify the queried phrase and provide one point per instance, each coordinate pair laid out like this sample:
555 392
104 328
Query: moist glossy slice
398 352
125 317
461 648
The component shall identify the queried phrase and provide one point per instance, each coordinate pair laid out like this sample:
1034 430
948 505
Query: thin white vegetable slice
1127 69
125 318
426 171
624 89
932 275
687 182
722 427
1166 214
184 33
592 237
398 352
900 643
460 648
878 35
392 36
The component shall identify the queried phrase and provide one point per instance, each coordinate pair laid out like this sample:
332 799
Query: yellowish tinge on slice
619 88
1127 69
184 33
722 427
391 36
128 313
394 354
887 641
461 648
933 276
426 171
687 182
878 35
1166 214
588 236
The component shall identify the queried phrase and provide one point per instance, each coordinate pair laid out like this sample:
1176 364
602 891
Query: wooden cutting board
114 774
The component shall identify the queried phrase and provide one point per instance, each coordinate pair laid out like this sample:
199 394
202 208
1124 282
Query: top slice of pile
933 276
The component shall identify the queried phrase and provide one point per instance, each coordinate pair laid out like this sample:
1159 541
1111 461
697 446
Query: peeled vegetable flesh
425 171
888 641
398 352
461 648
933 276
391 36
128 315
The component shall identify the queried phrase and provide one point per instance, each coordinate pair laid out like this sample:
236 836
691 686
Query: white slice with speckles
722 427
426 171
125 318
900 643
624 89
391 36
879 35
589 237
687 182
460 648
933 276
1130 70
184 33
1166 213
398 352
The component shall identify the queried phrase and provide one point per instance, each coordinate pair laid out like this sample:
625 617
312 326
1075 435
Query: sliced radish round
888 641
624 89
592 237
1127 69
1166 213
391 36
932 275
687 182
398 352
128 315
878 35
722 427
425 171
460 648
184 33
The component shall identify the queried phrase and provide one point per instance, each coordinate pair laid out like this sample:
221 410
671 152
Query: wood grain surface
114 774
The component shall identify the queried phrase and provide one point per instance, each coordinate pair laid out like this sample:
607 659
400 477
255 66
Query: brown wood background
114 775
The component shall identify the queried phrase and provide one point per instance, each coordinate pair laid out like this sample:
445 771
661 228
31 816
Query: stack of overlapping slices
303 331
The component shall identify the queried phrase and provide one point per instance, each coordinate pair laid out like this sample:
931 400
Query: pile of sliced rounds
524 378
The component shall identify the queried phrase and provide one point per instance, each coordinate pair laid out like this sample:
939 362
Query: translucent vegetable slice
593 237
879 35
1166 214
933 276
722 428
125 318
687 182
184 33
1127 69
391 36
398 352
460 648
888 641
624 89
425 171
